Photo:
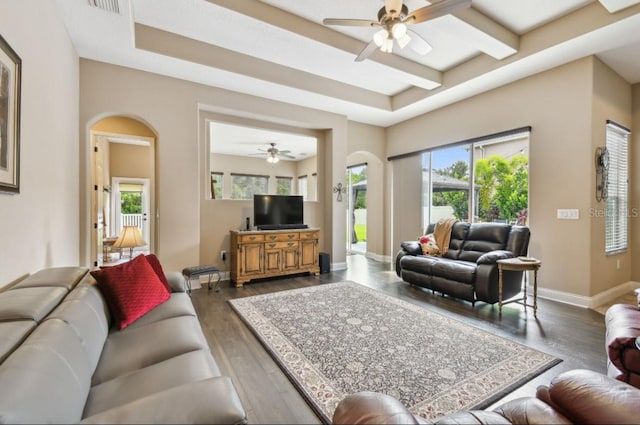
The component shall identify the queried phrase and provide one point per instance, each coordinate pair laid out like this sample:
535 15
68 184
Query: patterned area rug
340 338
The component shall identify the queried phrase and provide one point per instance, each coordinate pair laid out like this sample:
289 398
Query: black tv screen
278 212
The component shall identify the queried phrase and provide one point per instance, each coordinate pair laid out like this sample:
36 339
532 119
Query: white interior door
131 206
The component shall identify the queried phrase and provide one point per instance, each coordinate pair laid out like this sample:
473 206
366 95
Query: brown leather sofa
577 396
622 332
468 270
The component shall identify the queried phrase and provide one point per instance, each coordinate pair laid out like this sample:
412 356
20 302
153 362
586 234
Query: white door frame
115 204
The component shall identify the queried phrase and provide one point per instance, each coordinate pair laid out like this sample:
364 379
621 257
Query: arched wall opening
120 163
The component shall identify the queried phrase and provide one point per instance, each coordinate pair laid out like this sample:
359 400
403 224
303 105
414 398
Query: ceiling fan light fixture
387 46
403 41
380 37
399 30
273 158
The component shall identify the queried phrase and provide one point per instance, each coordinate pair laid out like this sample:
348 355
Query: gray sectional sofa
61 360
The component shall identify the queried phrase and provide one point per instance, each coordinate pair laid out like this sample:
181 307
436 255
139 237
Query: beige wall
611 100
39 225
559 105
175 110
130 161
124 126
367 143
634 186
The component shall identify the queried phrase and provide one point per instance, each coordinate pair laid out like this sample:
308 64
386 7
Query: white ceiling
280 50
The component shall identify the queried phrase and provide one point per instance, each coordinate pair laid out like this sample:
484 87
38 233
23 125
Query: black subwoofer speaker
324 263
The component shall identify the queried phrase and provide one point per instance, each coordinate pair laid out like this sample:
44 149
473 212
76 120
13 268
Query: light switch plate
568 214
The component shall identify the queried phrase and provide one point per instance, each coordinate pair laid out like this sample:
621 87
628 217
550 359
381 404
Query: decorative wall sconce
602 173
339 189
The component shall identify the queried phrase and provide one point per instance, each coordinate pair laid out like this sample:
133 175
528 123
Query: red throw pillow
131 290
157 267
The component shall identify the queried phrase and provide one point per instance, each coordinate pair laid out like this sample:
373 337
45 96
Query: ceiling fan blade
367 51
289 156
287 151
418 44
350 22
436 10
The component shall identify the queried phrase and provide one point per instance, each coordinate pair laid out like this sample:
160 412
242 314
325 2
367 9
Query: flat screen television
271 212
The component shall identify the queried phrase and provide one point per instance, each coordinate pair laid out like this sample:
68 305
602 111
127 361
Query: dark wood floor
574 334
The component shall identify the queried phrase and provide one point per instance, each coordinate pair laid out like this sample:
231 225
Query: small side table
517 264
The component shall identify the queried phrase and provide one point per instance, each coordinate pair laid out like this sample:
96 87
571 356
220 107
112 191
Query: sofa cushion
455 270
46 380
178 305
484 237
13 333
64 277
131 289
86 313
419 264
188 367
209 401
459 233
142 346
30 303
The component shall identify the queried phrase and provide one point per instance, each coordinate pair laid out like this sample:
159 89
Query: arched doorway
122 158
357 210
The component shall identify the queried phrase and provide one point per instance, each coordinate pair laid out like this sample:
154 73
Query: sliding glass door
486 181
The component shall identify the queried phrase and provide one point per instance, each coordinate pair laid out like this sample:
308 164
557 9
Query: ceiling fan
394 18
274 154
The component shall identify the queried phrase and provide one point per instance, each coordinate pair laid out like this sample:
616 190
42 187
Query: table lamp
130 237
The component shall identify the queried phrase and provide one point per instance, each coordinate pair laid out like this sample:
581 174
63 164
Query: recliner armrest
588 397
492 257
411 247
210 401
369 407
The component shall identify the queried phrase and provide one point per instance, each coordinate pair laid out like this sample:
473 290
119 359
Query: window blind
616 214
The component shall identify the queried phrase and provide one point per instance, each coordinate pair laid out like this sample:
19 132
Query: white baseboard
584 301
610 294
339 266
378 257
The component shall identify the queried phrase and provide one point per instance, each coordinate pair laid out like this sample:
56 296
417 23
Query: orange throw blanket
442 233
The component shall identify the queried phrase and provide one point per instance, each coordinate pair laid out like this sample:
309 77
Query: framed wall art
10 76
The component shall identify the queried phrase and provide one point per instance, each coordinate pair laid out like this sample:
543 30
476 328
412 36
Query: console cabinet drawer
251 238
281 245
294 236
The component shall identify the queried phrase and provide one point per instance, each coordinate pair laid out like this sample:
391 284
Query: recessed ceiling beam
486 35
180 47
614 6
410 72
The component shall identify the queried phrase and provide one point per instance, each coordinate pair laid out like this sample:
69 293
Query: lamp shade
130 237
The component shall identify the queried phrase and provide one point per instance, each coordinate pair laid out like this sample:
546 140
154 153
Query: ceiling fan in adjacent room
274 154
394 18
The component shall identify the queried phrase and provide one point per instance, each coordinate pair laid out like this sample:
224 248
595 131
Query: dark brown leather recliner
577 396
469 269
623 328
